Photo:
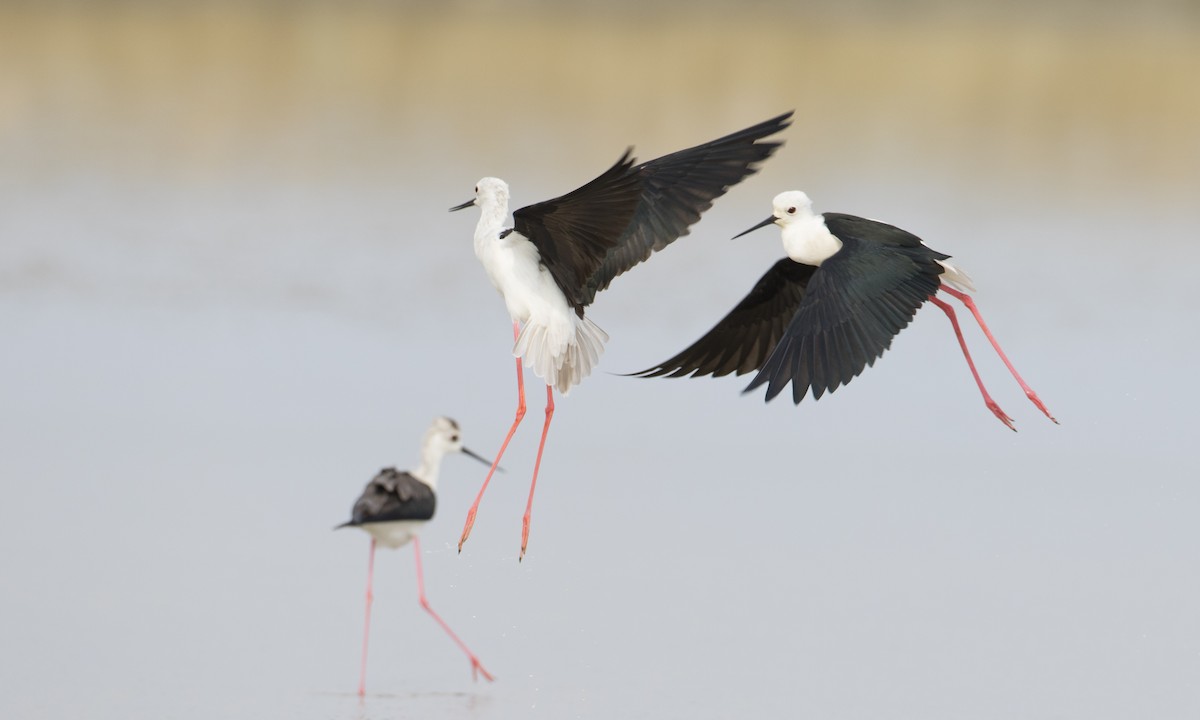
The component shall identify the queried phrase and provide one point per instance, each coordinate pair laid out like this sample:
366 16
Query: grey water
230 292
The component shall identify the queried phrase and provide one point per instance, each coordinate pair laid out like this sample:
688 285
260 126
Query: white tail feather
561 365
956 278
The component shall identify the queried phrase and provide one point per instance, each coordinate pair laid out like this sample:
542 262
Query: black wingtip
648 373
624 162
766 127
757 382
754 139
774 377
783 120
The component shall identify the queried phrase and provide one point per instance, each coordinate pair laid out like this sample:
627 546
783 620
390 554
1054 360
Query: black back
593 234
856 302
743 339
393 495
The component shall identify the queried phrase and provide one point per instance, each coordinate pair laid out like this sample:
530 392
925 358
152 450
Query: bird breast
393 533
809 242
514 267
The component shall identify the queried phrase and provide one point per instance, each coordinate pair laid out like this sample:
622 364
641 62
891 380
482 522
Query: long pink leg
987 399
1029 393
504 446
536 466
362 677
476 666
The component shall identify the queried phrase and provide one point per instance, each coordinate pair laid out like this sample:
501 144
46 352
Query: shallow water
230 292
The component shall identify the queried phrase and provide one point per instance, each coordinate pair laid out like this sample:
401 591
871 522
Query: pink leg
1029 393
536 466
362 677
987 399
504 446
476 666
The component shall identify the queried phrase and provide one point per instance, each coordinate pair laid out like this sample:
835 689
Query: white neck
493 213
806 240
431 463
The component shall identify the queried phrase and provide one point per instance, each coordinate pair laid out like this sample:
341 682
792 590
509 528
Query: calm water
230 292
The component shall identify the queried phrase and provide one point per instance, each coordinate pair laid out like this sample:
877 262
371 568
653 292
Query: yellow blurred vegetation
195 90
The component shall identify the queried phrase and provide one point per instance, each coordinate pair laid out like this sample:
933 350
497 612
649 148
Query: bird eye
453 438
476 188
791 211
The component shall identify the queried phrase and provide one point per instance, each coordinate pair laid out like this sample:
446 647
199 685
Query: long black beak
764 223
481 459
464 206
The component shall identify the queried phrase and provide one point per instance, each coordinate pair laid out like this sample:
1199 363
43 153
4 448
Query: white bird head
787 207
490 192
442 438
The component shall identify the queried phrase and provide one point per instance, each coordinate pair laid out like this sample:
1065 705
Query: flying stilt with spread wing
829 309
558 254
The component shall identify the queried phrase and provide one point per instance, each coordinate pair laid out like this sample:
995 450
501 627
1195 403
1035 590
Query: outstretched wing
677 189
742 340
393 495
593 234
574 233
856 302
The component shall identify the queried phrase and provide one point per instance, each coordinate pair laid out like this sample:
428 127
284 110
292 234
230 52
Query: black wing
875 232
856 302
591 235
742 340
573 233
393 495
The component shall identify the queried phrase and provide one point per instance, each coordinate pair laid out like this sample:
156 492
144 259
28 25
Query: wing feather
678 189
855 304
393 495
598 231
743 339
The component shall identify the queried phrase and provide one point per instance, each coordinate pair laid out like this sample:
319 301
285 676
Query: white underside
807 241
393 534
558 345
956 278
562 360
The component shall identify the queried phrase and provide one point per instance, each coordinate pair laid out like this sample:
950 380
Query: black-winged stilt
561 252
832 307
392 509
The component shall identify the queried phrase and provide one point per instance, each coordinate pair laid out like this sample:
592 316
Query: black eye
453 438
476 188
791 211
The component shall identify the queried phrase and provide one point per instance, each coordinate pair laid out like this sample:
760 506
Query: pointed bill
481 459
764 223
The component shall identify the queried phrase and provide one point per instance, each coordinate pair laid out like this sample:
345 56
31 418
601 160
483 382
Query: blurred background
230 292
